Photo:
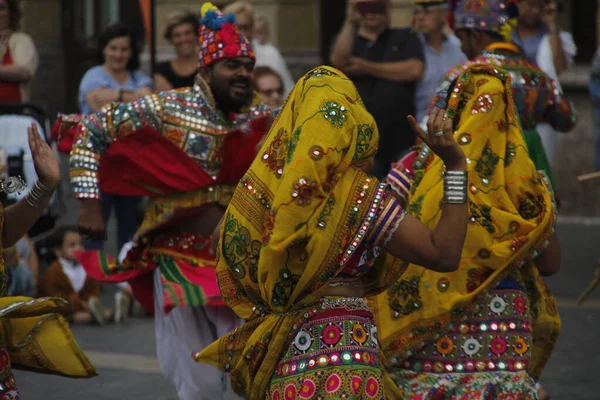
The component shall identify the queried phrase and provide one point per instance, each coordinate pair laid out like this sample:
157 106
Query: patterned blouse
536 95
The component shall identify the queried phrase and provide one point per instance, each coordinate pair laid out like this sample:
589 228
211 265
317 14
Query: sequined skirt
484 357
334 355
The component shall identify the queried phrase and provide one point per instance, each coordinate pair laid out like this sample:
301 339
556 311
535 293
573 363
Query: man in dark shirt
385 64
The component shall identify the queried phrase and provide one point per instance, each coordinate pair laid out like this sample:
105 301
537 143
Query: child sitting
66 278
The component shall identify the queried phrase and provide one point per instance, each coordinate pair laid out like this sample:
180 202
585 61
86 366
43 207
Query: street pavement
125 355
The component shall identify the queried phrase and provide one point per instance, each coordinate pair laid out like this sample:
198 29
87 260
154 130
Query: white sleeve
569 47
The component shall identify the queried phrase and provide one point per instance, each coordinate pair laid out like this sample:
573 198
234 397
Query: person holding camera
385 64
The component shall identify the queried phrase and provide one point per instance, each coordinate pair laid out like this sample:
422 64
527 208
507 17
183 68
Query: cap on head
220 37
497 16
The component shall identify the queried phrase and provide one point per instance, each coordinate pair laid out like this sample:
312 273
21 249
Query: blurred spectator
262 31
18 56
442 52
385 64
266 54
66 278
28 256
547 46
19 279
595 93
117 78
269 85
182 32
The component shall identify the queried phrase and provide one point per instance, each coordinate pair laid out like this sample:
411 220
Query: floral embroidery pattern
274 156
530 206
414 208
334 113
304 191
483 104
476 277
284 287
404 297
511 152
482 215
364 137
487 163
239 249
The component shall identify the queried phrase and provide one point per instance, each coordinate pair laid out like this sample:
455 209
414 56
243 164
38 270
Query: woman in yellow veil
34 335
486 330
299 244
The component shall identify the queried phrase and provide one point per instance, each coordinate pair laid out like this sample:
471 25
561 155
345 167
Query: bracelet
455 187
38 192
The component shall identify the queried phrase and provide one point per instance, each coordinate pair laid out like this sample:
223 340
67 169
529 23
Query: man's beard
226 101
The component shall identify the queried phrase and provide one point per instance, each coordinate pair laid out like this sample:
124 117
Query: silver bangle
38 193
455 187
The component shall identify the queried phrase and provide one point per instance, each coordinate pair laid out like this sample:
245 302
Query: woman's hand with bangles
440 139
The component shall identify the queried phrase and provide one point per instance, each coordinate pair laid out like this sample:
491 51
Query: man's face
469 40
374 17
530 12
430 19
231 82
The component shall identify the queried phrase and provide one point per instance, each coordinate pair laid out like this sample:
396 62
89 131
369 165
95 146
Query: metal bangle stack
455 187
37 194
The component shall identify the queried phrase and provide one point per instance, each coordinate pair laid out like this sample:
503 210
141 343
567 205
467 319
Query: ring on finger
439 134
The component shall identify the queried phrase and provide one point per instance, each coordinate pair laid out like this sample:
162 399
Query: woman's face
270 89
185 40
261 32
117 53
4 15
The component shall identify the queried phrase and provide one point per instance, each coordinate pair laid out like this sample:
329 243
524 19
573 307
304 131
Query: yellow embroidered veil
511 216
294 221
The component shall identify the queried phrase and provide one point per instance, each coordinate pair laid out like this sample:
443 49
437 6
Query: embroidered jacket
536 95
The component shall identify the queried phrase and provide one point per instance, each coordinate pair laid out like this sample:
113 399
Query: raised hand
440 139
44 160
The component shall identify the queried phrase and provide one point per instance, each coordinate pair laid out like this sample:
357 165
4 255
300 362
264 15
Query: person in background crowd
442 52
117 79
269 85
18 56
262 31
536 96
545 45
385 64
182 33
66 278
18 276
595 94
26 257
266 53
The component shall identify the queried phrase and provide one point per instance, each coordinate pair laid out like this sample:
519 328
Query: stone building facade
303 30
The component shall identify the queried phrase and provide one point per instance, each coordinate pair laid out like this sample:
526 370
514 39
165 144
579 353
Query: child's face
71 245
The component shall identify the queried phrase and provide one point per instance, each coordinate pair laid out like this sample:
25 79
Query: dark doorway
585 27
333 13
83 21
